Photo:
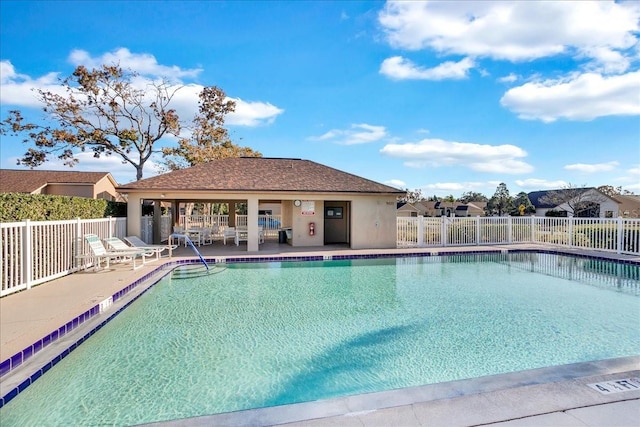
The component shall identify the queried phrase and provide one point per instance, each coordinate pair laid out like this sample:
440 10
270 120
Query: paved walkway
556 397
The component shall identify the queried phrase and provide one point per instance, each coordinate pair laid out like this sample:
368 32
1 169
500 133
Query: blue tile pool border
14 362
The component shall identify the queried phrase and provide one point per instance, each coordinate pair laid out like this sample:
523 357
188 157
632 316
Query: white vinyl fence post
27 255
477 230
110 222
570 237
443 231
620 237
533 229
420 231
510 229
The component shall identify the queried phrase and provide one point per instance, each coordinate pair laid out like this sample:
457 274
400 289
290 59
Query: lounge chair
99 252
138 243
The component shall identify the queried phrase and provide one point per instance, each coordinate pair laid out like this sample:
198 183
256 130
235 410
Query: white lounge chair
138 243
99 252
118 245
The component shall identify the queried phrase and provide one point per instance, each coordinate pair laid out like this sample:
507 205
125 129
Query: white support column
252 224
134 216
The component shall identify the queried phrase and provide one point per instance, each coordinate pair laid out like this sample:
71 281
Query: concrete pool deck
553 396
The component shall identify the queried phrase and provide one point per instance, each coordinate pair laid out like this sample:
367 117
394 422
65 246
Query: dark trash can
282 236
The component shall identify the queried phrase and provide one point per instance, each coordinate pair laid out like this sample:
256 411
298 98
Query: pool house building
317 204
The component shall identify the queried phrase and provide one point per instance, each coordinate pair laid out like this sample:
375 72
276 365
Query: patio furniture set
207 235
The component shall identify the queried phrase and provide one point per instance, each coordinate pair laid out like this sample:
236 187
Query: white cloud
20 90
597 31
400 68
357 134
446 188
508 79
122 172
396 183
478 157
592 168
540 184
143 63
253 113
578 97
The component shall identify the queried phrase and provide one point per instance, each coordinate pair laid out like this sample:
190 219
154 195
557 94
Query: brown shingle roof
260 174
28 181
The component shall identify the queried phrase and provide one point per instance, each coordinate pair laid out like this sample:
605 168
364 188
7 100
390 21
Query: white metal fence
621 235
33 252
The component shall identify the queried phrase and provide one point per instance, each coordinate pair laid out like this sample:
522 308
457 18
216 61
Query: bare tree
411 196
612 191
208 139
102 111
576 201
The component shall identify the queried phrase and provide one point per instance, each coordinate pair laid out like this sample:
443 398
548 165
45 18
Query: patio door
336 222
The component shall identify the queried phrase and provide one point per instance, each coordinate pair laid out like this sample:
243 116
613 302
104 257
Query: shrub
44 207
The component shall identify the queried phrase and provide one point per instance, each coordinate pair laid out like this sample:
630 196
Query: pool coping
23 368
573 378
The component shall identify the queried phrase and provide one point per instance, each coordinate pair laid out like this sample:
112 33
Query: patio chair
206 236
182 234
228 233
138 243
99 253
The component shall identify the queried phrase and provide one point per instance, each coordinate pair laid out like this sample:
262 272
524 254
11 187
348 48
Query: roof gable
28 180
260 174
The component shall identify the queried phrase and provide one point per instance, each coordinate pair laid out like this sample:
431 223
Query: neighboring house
91 185
320 205
436 209
604 206
407 210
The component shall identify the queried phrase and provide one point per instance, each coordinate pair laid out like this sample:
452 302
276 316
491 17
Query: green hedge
43 207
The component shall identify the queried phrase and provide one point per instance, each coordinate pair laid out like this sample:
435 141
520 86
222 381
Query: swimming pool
255 335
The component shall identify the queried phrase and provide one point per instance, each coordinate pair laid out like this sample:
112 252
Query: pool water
267 334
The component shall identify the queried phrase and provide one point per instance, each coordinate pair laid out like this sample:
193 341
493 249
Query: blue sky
445 97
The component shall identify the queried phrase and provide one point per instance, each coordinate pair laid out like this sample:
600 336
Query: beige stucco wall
73 190
373 224
105 186
102 189
372 218
301 223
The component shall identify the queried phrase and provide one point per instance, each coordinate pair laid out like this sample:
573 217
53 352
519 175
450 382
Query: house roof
535 196
240 174
28 180
628 203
